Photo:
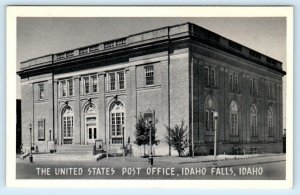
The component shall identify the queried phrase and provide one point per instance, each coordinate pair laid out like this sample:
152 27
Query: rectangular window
270 91
41 129
251 87
86 84
236 82
117 121
206 76
112 81
207 120
212 77
95 84
70 87
253 125
113 124
255 87
211 121
234 124
149 75
121 80
64 88
41 91
68 126
231 82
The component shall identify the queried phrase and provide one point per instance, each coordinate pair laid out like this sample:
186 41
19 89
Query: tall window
253 87
112 81
95 83
212 77
67 120
234 118
270 91
86 84
270 121
121 80
64 88
117 122
41 129
149 75
210 108
70 87
209 76
236 82
41 91
231 81
253 120
206 76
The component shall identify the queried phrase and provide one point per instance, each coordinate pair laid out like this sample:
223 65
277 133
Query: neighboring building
182 72
18 126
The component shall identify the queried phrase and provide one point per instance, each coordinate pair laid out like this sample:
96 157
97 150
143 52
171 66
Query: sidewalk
203 161
134 161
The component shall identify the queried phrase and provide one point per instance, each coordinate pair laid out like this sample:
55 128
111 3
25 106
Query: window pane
95 133
90 133
236 82
41 91
41 129
121 80
206 76
112 81
95 84
231 82
212 77
207 120
64 88
70 85
86 85
149 75
211 118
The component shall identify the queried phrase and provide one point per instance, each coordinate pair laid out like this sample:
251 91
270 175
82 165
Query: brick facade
180 57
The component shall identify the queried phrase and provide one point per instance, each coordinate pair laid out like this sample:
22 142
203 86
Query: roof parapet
169 32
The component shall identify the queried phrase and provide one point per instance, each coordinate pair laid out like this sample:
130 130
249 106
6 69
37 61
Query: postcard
165 97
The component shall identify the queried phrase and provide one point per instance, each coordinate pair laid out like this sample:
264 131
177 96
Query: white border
133 11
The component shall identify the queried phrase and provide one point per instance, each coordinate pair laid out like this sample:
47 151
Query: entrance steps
68 153
75 149
50 157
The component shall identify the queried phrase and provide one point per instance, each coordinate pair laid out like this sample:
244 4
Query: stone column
101 108
78 132
56 114
131 102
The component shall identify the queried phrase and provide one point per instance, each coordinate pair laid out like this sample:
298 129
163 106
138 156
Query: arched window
234 118
117 122
67 123
210 108
270 121
253 120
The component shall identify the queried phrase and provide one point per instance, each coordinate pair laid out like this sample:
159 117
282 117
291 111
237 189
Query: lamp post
30 155
215 138
123 139
150 134
50 134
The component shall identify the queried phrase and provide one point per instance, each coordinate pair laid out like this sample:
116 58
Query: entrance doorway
91 133
91 127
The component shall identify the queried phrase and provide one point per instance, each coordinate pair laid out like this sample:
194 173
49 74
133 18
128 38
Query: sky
41 36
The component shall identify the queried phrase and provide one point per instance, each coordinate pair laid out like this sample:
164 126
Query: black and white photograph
153 98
